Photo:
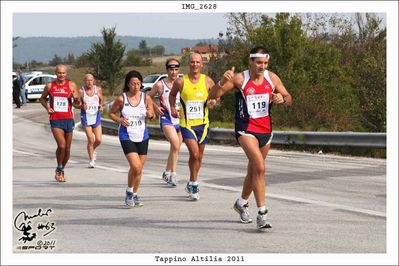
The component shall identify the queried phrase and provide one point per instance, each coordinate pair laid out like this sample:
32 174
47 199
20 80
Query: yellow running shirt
193 97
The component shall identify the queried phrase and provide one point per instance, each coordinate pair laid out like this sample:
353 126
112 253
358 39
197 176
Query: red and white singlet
253 105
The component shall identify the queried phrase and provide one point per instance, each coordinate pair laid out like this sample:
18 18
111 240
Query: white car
151 79
35 85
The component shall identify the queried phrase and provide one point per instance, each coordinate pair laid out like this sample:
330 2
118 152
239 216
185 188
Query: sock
129 189
242 201
167 173
134 194
262 209
60 167
173 174
194 183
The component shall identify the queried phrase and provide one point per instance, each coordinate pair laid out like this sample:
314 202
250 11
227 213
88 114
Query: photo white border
388 7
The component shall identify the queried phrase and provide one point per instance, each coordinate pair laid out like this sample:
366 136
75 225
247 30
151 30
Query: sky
167 25
170 19
170 25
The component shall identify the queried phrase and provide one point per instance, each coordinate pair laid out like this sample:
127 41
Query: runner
134 107
90 116
169 125
63 95
257 88
193 113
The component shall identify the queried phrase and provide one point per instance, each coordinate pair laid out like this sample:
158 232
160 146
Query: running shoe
261 221
195 195
137 201
193 191
172 180
91 164
165 177
243 212
129 199
188 188
59 175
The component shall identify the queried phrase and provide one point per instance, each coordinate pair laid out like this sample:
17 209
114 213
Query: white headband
259 55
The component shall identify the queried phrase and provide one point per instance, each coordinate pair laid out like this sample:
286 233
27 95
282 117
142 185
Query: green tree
143 48
185 58
158 50
83 60
135 59
201 43
362 47
368 63
106 59
70 59
335 74
56 60
311 71
36 64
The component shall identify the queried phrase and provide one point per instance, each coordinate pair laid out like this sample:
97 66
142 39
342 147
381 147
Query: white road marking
233 189
26 153
38 155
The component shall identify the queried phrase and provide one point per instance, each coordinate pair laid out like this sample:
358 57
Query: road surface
317 203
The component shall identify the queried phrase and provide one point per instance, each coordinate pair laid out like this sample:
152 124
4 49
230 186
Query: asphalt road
317 203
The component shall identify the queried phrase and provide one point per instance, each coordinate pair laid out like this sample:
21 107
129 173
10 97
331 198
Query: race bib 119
258 105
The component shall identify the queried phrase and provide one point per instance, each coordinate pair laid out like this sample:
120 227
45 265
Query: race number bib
258 105
91 114
60 104
195 109
136 127
92 108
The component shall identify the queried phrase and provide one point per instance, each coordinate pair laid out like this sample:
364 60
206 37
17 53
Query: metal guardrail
340 139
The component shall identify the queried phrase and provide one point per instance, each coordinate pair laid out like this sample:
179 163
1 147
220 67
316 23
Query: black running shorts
140 148
263 139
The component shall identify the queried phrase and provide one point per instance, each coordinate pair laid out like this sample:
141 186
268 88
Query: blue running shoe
193 191
189 188
129 199
195 194
137 201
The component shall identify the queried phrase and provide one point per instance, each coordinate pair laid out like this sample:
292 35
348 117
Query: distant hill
43 49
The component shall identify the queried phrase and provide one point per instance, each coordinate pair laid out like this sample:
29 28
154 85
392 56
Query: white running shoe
172 180
261 221
91 164
165 177
193 191
243 211
129 200
137 201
